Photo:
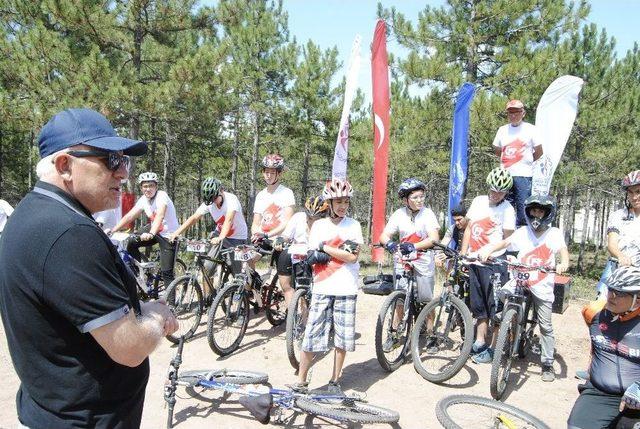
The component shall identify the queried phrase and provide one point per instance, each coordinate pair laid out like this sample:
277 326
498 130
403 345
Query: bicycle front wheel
392 332
502 355
232 376
442 338
297 316
179 268
228 319
346 409
184 297
466 411
276 309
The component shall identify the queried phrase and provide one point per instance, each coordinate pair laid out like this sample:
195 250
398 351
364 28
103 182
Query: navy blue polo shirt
61 278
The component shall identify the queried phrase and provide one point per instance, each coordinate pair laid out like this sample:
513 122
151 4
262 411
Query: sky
336 22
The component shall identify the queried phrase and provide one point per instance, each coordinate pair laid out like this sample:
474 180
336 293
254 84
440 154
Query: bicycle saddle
259 406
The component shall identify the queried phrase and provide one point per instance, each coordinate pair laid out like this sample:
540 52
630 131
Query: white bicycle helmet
148 176
625 279
337 188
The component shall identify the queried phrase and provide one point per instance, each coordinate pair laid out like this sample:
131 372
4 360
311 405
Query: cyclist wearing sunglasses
161 213
78 336
611 396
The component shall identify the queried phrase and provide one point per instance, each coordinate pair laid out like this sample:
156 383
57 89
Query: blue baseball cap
84 126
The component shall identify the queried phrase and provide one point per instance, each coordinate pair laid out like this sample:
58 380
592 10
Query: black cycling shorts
284 264
597 409
482 302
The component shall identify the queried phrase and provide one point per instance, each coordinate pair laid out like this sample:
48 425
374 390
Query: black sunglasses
114 159
618 293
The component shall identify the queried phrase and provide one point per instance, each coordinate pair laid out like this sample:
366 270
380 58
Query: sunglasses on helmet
114 160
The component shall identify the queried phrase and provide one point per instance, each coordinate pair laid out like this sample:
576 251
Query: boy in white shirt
491 219
226 211
337 240
297 232
518 145
537 245
5 212
161 212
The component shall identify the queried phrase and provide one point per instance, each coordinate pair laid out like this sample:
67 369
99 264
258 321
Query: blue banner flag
460 147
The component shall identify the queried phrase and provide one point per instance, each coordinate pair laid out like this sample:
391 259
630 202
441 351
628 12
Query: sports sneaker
485 356
299 387
334 388
432 346
390 343
547 373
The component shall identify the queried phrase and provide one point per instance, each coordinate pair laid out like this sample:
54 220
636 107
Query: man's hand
561 268
624 260
631 397
484 254
146 236
440 258
317 257
258 237
350 246
216 240
407 248
172 238
161 312
391 246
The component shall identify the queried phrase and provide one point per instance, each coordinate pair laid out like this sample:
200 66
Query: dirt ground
263 349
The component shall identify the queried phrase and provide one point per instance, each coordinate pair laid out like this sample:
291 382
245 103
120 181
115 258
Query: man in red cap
518 146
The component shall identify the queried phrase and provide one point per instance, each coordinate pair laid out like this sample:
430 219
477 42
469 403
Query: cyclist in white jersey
159 209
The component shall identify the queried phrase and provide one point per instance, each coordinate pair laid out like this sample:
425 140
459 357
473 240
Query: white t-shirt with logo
517 144
150 208
5 212
229 202
337 277
297 230
413 231
627 225
487 223
271 206
538 252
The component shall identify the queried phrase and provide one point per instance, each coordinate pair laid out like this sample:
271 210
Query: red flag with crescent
380 81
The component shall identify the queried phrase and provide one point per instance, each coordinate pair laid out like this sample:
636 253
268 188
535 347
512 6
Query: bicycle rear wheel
297 316
392 342
466 411
439 351
346 409
502 355
228 319
184 297
275 309
232 376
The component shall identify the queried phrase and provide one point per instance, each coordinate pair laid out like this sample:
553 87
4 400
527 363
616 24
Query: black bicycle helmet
545 202
410 185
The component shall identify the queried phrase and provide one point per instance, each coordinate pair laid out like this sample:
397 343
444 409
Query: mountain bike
147 273
396 317
187 297
518 321
298 311
443 334
263 401
229 314
476 412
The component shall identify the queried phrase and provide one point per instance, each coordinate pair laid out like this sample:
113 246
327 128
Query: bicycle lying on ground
187 296
443 333
396 317
476 412
518 321
263 401
229 314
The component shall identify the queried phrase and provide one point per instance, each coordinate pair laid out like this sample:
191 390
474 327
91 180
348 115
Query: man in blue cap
78 336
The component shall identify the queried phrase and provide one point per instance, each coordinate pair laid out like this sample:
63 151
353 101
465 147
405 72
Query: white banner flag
554 120
342 143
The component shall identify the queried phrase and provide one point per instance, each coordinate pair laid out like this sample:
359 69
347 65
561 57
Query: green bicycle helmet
210 190
499 180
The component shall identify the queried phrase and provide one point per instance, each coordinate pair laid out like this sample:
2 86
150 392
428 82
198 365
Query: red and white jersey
150 208
5 212
627 225
297 230
230 202
517 144
337 277
487 223
414 230
538 252
271 206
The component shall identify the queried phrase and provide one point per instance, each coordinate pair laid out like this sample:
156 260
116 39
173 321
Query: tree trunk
254 161
585 225
571 219
236 144
166 170
305 167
